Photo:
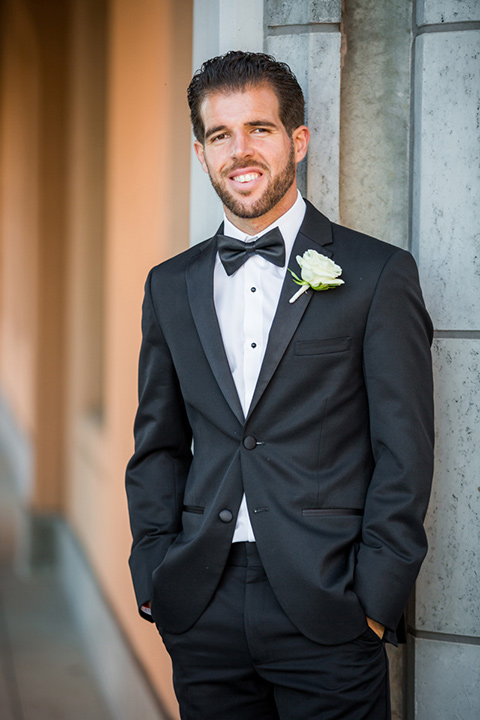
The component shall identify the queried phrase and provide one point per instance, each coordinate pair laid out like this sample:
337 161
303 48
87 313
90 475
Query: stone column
306 35
375 118
445 652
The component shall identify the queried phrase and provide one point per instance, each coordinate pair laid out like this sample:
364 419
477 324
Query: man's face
249 156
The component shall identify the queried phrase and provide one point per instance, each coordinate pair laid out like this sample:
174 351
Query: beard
274 192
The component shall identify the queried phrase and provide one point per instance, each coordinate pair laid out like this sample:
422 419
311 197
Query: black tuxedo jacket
335 454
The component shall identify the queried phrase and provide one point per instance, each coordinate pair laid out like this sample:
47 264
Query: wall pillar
33 240
375 118
19 236
146 221
307 36
52 22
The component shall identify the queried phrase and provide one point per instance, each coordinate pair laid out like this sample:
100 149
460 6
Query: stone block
295 12
447 680
447 11
315 60
448 585
294 50
446 232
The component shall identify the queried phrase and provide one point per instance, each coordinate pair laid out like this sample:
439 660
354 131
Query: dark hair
237 70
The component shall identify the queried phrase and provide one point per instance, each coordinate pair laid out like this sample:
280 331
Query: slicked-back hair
237 71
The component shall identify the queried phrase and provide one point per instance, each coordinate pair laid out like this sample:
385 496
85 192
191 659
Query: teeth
246 178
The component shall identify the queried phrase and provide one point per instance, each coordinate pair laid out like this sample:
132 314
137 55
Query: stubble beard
274 192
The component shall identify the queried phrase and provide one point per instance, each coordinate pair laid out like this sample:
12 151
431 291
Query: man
276 556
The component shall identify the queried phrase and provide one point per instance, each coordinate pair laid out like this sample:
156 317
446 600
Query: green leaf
296 279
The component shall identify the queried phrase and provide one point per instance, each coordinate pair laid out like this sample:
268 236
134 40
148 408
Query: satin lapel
315 231
200 295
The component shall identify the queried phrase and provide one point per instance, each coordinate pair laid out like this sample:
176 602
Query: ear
300 137
200 153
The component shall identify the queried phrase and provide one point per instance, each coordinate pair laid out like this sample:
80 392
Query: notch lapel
199 276
314 231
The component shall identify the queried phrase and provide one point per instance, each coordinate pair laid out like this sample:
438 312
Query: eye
260 130
221 136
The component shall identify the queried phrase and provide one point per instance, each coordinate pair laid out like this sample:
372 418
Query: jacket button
225 516
249 442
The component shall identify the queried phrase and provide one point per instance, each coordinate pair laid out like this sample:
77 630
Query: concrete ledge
126 689
17 448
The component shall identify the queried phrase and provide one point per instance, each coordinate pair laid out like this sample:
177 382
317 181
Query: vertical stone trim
374 152
375 107
218 26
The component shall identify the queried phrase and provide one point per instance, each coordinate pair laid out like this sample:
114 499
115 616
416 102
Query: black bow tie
233 253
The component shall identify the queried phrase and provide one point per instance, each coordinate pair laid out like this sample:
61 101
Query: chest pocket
319 347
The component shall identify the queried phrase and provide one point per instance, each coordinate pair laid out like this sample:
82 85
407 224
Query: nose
241 146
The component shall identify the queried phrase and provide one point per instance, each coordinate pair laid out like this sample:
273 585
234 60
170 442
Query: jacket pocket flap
326 345
326 512
196 509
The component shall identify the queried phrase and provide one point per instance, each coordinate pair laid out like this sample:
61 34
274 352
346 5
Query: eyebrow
252 123
212 131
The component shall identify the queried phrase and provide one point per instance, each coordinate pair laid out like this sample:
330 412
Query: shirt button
254 345
253 289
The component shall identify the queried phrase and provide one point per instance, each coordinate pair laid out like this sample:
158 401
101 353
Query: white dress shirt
245 303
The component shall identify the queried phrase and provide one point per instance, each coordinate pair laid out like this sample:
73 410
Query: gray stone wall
392 93
375 152
445 651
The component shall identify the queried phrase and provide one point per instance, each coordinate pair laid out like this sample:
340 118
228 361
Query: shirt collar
288 224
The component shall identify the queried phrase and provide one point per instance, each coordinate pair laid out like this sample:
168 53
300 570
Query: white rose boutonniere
318 273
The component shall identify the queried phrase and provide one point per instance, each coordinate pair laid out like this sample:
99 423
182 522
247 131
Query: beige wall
147 138
19 210
33 233
95 174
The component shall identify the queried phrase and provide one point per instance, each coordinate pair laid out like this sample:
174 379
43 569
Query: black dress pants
245 660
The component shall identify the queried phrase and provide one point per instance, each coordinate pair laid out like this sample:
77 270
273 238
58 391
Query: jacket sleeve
398 378
157 472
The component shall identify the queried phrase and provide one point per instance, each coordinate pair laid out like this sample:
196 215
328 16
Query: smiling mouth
246 174
248 177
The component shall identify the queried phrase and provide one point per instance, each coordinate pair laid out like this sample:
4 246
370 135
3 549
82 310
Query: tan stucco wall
33 233
147 157
95 155
19 235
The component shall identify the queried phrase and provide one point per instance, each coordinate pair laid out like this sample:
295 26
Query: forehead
240 106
